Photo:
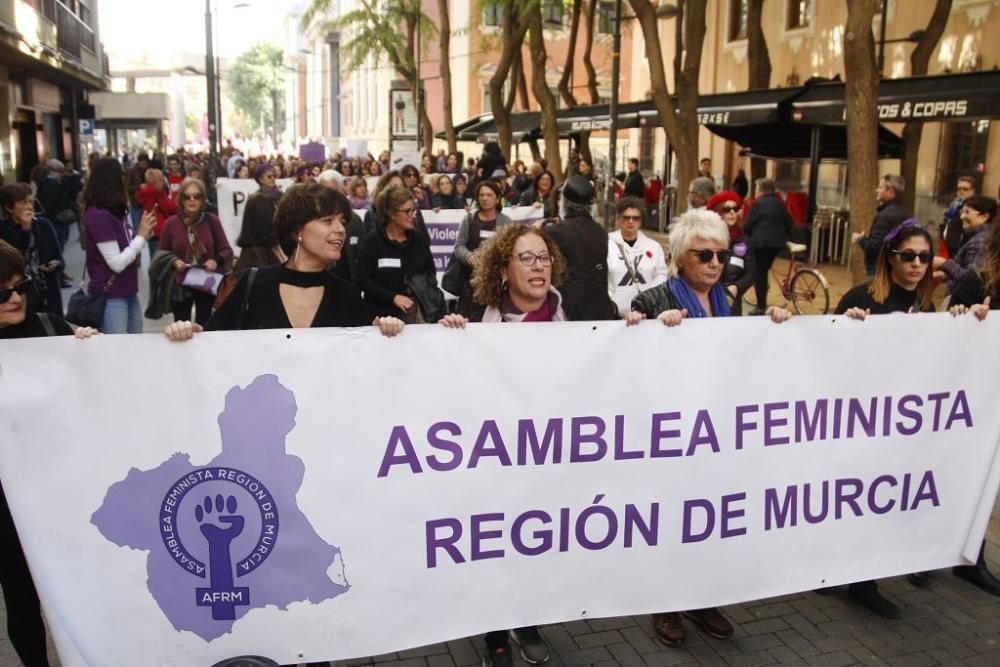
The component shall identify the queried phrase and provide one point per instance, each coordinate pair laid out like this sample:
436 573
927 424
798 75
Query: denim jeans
122 315
135 213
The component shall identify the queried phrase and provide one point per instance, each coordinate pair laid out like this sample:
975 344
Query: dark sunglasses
730 209
705 255
907 256
187 196
20 288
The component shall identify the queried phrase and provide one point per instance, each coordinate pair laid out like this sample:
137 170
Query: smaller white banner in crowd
290 502
233 194
442 226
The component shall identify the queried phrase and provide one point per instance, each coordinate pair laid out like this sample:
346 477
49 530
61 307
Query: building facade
51 58
805 39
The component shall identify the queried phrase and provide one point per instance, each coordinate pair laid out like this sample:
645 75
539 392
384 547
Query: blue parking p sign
86 127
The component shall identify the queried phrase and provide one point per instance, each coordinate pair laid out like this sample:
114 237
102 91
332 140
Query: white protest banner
232 196
292 503
357 147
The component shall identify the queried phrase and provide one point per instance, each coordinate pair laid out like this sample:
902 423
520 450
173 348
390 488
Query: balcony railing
72 33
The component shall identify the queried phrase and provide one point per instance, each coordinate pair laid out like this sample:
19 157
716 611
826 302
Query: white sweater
647 261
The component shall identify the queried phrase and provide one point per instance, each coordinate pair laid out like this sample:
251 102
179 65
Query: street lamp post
616 56
913 37
213 129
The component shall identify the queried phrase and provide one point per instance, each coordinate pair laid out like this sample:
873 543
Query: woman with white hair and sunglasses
699 252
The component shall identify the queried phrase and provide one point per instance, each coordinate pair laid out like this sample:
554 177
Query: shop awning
783 141
462 127
743 108
944 97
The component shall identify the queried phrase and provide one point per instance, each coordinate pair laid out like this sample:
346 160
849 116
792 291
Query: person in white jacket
635 262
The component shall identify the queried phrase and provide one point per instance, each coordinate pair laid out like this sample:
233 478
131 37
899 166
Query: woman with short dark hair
37 240
300 293
112 250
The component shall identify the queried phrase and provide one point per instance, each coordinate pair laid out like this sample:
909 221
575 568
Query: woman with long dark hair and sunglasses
112 249
902 281
197 239
18 320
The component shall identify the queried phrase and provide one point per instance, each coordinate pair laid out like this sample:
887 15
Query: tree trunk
588 65
679 41
759 65
588 48
861 87
681 128
512 31
687 90
444 33
522 86
565 90
540 88
913 132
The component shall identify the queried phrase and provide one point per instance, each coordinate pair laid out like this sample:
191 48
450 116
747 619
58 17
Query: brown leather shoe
712 622
668 628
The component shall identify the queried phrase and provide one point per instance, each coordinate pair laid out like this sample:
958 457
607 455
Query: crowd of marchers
307 258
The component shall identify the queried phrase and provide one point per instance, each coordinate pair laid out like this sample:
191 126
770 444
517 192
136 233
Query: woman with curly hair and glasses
514 278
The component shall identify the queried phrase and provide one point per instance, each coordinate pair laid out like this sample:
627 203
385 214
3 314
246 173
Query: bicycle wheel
810 292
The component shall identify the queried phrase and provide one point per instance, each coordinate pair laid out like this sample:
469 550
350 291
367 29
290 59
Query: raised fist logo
221 595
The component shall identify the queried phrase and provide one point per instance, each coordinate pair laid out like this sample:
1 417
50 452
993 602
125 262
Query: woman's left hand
778 315
633 317
453 321
980 310
388 326
211 265
83 333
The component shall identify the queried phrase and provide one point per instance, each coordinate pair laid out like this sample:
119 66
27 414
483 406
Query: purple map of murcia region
227 537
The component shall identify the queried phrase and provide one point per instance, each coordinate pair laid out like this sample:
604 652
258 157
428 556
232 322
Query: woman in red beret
739 273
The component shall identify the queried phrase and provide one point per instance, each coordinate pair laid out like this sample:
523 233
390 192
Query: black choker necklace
302 278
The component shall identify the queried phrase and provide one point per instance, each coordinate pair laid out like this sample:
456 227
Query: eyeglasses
907 256
730 209
705 255
20 288
407 211
964 188
410 174
528 259
632 218
197 196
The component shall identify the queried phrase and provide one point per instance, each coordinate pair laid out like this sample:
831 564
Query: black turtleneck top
900 300
341 305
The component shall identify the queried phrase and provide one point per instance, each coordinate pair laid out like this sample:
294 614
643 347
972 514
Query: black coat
888 216
41 240
769 223
634 185
584 245
384 265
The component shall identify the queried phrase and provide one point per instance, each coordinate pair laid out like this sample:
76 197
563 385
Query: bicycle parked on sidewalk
804 286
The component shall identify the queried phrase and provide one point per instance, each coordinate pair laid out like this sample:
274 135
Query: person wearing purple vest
112 250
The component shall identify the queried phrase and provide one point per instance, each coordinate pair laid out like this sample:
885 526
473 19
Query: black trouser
202 302
763 258
24 613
